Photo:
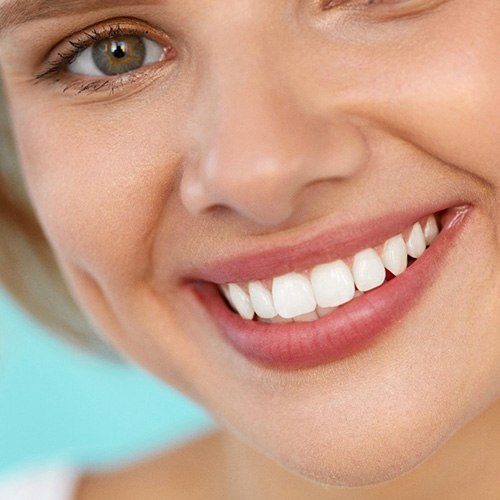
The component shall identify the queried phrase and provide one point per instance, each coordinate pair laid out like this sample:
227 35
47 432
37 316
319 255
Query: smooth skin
275 120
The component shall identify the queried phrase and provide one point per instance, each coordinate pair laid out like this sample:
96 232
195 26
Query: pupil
119 49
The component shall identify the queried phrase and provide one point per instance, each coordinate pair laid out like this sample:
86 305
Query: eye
116 55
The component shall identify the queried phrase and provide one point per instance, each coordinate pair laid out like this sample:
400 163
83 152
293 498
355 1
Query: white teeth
262 300
332 284
241 302
415 245
394 255
368 270
431 230
310 295
293 295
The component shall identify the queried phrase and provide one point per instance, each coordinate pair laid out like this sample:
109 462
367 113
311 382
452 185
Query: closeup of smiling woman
289 210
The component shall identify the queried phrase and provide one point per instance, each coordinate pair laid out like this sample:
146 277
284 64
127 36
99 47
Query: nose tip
258 174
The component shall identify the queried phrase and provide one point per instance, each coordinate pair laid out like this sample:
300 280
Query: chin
372 450
367 466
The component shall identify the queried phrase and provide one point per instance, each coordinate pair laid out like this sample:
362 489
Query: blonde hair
28 270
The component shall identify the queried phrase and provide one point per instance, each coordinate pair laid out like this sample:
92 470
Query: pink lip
349 329
325 246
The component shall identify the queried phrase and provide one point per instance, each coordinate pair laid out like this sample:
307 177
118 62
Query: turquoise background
59 404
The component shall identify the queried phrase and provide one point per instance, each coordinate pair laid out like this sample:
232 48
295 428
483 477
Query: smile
338 305
316 292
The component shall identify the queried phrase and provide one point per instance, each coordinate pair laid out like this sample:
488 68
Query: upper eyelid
381 12
104 29
115 21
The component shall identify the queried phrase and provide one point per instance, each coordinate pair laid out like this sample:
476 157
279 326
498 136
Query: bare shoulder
192 471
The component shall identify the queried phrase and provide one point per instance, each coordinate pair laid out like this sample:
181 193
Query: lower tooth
279 319
324 311
306 317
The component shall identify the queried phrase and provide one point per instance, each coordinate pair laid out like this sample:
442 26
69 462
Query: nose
261 141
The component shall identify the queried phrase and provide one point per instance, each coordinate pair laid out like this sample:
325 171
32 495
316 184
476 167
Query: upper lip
325 242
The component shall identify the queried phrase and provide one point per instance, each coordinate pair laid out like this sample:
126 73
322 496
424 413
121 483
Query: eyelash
65 57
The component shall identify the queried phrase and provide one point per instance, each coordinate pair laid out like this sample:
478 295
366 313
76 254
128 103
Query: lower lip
349 329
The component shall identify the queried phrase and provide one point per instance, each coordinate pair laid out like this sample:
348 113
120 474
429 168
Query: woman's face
252 139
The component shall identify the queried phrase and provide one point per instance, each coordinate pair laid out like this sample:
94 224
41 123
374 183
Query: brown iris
120 54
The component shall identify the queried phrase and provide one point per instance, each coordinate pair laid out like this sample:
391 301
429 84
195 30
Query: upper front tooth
394 255
368 270
332 284
262 300
431 229
241 301
293 295
415 244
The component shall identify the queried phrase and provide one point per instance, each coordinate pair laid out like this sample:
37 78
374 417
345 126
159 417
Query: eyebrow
16 12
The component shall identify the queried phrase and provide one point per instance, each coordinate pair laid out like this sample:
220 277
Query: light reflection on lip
349 329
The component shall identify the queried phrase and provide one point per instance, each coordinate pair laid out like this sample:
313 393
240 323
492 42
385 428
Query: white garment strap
52 482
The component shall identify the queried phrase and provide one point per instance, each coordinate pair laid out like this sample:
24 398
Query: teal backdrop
59 404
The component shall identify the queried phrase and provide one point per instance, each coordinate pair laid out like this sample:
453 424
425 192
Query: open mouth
335 307
317 292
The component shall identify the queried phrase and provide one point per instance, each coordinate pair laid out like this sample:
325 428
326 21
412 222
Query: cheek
99 187
445 97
